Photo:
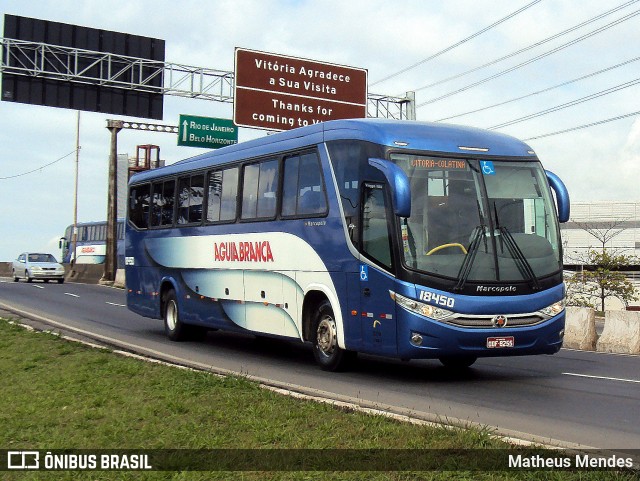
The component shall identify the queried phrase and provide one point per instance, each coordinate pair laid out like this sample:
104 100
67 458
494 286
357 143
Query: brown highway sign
277 92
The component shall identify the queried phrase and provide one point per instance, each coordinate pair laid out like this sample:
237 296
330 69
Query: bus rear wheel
173 327
458 362
324 337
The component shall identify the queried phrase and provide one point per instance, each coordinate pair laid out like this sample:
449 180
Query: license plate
498 342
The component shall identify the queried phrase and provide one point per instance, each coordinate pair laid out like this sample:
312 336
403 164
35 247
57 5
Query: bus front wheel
173 327
458 362
324 335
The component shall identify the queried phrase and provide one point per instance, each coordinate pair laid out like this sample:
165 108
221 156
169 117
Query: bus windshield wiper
472 251
516 253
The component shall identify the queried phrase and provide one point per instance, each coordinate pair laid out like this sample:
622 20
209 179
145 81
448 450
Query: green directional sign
206 132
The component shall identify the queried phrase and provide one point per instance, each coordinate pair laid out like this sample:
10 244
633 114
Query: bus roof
399 134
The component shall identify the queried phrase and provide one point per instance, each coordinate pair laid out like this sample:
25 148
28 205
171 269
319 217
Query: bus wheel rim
327 335
172 315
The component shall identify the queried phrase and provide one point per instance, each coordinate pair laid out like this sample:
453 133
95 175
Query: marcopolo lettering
496 289
259 251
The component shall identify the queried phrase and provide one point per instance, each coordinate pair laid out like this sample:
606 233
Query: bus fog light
416 339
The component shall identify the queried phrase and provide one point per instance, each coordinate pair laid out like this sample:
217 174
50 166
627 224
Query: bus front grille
486 322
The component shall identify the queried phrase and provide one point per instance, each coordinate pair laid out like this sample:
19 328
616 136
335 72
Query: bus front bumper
424 338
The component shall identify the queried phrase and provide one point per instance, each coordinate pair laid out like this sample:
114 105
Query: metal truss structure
75 65
42 60
390 107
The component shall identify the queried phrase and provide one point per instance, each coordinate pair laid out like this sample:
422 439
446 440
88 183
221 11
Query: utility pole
110 262
74 234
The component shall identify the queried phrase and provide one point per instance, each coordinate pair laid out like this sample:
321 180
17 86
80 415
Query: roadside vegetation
59 394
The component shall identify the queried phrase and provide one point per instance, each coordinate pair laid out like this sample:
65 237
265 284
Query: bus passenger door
376 306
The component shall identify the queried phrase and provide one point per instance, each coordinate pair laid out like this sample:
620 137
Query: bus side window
303 190
259 190
197 197
349 161
163 200
156 204
190 197
229 201
290 185
139 198
223 195
215 196
376 242
267 189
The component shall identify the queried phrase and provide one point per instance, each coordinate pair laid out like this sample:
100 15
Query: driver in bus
455 219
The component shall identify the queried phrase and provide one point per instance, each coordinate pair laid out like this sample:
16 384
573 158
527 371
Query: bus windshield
479 220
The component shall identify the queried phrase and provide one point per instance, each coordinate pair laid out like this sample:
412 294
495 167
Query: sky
598 163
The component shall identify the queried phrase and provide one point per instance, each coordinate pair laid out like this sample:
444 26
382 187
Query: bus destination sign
277 92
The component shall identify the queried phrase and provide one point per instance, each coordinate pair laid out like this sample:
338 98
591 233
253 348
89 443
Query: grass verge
59 394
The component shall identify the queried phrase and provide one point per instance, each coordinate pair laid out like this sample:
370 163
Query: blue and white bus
91 243
403 239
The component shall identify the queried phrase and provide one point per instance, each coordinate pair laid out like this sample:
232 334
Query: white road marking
115 304
39 287
601 377
72 295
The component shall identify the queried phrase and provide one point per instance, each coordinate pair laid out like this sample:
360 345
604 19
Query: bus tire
173 327
60 281
458 362
324 337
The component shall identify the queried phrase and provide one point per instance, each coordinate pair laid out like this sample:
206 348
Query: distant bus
91 243
403 239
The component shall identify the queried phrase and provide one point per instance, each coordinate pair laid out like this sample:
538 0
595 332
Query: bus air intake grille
485 322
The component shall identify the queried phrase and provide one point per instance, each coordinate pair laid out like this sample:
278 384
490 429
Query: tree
601 274
604 231
601 278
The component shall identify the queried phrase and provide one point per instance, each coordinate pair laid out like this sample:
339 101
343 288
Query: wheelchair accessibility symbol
487 167
364 273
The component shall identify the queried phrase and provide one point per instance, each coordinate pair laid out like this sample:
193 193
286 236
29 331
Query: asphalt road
571 398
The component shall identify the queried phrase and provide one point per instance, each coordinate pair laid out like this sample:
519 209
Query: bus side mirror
399 184
62 242
562 196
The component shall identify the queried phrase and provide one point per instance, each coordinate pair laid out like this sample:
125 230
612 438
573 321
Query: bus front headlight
554 309
420 308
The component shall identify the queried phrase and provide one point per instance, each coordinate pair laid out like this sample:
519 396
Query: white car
31 266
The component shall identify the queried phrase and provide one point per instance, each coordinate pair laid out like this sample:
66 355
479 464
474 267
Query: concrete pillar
580 329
